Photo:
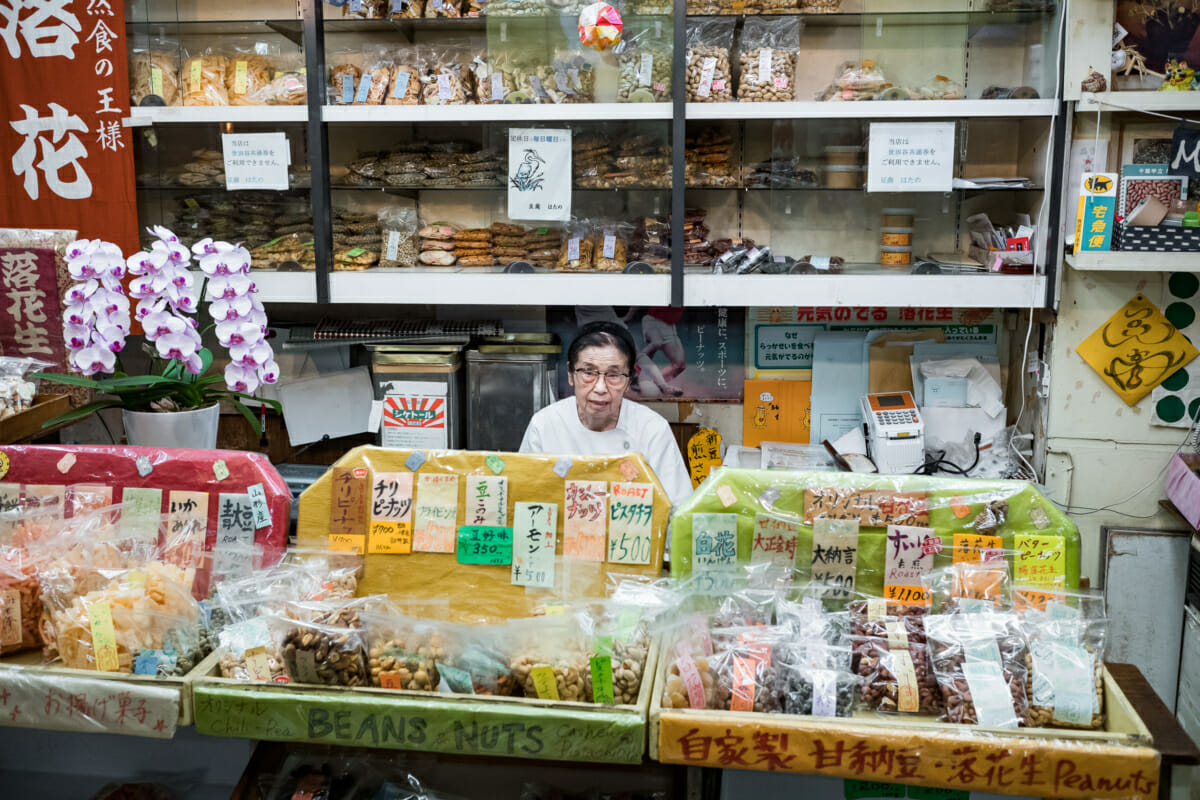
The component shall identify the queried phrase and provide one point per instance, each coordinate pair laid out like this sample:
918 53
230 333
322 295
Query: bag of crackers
154 73
205 77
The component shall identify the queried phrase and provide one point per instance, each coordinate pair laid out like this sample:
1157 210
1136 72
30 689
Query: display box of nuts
24 425
432 721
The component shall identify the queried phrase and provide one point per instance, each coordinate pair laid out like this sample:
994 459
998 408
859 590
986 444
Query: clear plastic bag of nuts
644 64
443 76
747 668
476 661
1067 634
548 657
328 655
979 660
622 635
818 680
891 657
769 49
403 653
250 651
709 76
970 586
688 654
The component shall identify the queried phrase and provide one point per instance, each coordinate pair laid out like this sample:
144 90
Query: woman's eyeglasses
587 376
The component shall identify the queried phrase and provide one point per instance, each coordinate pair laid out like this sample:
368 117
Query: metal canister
509 379
398 372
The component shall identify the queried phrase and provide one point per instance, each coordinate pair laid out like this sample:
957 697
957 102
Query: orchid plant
97 321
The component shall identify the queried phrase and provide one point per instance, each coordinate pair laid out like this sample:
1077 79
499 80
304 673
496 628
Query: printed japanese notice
630 509
256 160
585 513
391 513
534 525
436 513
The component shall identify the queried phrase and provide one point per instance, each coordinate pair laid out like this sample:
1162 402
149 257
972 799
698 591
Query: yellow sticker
545 683
10 618
554 607
275 77
156 85
136 578
197 71
907 595
1041 561
190 202
390 537
347 543
104 637
239 77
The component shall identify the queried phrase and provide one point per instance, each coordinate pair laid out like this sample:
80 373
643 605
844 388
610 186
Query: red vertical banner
66 156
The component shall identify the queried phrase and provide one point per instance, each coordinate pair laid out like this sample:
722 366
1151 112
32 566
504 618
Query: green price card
485 544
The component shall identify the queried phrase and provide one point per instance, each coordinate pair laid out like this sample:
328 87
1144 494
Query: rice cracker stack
473 248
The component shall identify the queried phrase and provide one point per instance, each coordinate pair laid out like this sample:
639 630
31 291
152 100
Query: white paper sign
67 703
911 157
534 525
256 160
539 174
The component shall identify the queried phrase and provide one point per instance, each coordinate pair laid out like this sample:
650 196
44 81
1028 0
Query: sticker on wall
1176 401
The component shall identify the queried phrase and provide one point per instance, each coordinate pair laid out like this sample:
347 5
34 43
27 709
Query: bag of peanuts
644 63
979 660
1067 637
548 656
767 64
709 74
891 657
403 652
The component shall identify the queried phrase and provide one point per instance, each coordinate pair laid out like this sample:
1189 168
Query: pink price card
585 514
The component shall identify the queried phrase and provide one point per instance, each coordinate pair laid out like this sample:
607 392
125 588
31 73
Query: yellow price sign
544 682
390 537
104 637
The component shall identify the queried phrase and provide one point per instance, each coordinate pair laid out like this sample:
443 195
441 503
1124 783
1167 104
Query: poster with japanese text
64 89
693 354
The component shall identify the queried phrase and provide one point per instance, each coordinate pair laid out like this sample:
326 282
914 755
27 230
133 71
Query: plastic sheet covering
417 503
34 698
943 520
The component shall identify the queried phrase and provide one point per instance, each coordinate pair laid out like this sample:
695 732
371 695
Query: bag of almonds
709 76
979 661
548 656
1067 634
769 49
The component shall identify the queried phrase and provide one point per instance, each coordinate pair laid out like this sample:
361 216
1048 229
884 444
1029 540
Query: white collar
622 417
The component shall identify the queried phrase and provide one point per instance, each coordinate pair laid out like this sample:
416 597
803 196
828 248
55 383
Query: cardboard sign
534 525
436 513
348 509
630 510
585 514
235 535
872 509
1136 349
834 563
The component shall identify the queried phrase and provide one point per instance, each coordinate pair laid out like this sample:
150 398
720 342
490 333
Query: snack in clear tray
204 79
154 72
709 77
769 49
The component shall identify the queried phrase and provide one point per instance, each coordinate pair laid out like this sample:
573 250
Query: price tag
714 551
974 547
484 544
907 595
908 694
10 617
602 680
497 86
534 526
585 514
545 683
258 664
486 501
774 545
443 82
707 67
834 563
258 506
630 513
239 77
400 87
908 559
197 74
156 81
391 513
764 65
743 683
104 637
645 73
824 702
436 513
392 251
692 680
573 248
610 245
990 694
1040 561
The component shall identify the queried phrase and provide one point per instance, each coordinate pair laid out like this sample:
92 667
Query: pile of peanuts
768 75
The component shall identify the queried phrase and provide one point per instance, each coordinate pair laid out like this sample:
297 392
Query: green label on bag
190 202
458 680
273 241
602 680
356 252
485 544
604 645
542 231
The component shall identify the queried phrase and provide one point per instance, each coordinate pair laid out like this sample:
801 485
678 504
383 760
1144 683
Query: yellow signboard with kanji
703 453
1136 349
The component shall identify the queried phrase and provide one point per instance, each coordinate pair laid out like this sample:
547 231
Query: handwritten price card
835 556
975 547
50 500
1041 561
235 535
141 512
1136 349
630 509
348 510
104 637
391 513
714 551
436 514
704 453
872 509
487 500
909 558
534 525
585 512
10 503
489 545
775 544
85 498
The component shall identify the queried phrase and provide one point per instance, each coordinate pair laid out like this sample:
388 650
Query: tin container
895 256
896 237
410 380
509 379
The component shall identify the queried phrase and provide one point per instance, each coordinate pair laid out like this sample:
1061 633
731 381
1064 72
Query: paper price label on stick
436 513
585 514
104 637
630 513
534 526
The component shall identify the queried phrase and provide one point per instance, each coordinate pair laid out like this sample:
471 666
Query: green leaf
69 380
173 371
81 412
248 414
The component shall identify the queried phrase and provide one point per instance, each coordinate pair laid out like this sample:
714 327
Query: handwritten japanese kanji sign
66 157
630 511
391 513
835 556
703 453
533 544
872 509
1136 349
436 513
585 514
348 510
30 314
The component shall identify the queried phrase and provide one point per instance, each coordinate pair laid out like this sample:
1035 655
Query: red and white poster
414 415
67 159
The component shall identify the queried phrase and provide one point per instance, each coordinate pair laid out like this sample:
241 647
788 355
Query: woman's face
599 404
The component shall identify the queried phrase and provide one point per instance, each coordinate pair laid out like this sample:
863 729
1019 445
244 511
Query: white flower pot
196 429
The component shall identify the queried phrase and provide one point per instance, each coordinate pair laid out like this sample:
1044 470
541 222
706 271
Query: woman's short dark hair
603 334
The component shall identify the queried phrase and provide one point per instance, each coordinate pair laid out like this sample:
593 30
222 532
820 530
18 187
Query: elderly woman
598 420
